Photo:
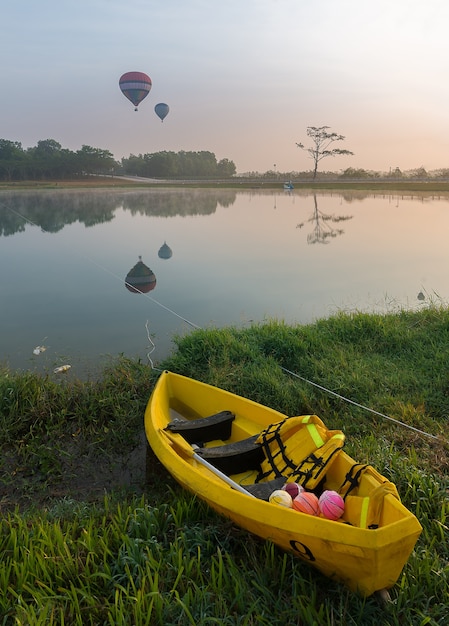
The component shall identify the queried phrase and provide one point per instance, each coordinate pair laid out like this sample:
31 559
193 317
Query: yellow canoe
366 548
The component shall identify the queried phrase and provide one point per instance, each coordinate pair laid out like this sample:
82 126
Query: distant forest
49 160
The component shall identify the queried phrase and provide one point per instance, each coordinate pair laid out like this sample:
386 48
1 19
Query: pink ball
293 489
306 502
331 504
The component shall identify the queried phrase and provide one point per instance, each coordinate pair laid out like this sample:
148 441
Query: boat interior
214 440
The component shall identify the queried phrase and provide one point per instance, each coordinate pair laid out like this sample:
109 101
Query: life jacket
365 511
300 449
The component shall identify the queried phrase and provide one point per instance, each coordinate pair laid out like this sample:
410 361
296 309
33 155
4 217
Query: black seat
234 458
216 426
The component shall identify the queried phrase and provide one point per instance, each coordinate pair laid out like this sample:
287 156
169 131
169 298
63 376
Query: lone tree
322 139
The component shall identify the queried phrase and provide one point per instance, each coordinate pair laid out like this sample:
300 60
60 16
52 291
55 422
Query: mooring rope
152 348
195 326
361 406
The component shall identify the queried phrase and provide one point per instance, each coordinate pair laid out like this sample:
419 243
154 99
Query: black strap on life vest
308 469
352 479
269 436
312 468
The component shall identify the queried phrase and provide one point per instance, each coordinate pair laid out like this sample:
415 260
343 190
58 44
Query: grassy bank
93 531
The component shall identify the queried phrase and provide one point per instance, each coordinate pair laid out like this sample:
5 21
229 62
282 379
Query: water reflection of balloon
135 86
162 110
165 251
140 279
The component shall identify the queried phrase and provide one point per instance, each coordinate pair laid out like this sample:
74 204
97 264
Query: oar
179 442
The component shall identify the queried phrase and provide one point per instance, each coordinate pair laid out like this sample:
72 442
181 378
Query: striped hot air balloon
135 86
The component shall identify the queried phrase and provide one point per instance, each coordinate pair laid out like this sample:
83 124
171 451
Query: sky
243 78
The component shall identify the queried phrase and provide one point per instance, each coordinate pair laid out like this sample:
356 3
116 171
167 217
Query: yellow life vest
300 449
365 511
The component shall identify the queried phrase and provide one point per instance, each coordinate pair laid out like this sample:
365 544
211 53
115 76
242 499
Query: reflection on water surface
213 258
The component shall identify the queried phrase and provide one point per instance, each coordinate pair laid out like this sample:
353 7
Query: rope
361 406
152 349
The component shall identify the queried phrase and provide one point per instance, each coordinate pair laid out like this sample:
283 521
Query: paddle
179 442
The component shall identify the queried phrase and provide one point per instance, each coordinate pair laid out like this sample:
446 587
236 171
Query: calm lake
231 258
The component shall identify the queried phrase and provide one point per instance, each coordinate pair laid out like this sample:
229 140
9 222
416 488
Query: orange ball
306 502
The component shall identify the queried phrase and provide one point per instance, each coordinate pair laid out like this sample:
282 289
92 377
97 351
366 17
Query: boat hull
364 559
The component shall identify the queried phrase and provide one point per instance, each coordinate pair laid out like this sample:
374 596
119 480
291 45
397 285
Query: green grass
80 545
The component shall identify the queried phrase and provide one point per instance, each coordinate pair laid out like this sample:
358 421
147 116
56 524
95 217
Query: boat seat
234 458
216 426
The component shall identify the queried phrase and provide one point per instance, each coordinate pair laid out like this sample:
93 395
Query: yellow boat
233 453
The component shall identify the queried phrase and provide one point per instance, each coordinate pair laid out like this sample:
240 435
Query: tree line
49 160
181 164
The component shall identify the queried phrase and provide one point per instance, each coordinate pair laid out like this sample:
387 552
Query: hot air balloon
135 86
162 110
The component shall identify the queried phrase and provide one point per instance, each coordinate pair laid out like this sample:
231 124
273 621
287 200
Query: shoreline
99 182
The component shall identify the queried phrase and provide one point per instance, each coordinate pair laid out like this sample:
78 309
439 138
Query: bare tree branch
322 140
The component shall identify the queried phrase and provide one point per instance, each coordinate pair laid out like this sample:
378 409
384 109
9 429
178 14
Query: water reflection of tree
54 209
323 225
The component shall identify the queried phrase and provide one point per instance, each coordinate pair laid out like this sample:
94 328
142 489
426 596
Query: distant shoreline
98 182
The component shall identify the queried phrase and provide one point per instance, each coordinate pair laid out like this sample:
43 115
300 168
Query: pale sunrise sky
243 78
